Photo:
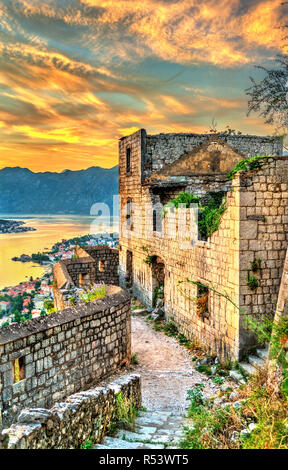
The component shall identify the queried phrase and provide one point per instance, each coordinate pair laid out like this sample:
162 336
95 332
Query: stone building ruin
90 264
153 170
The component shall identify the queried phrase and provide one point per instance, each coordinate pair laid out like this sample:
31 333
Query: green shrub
170 329
210 426
209 214
126 412
185 198
88 444
134 359
218 380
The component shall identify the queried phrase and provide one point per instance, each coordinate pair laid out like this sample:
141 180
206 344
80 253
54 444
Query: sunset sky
77 75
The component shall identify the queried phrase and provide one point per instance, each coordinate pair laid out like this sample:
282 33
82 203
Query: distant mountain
70 192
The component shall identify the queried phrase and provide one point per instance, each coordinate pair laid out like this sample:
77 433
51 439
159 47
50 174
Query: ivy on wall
248 164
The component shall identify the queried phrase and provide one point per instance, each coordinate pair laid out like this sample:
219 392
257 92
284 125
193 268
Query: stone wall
69 424
263 200
162 149
282 301
64 352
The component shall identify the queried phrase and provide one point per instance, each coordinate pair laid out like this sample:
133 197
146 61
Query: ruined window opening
202 301
157 219
154 220
129 269
18 369
101 266
128 214
83 279
128 160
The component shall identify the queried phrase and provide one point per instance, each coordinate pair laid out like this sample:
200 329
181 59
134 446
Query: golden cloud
75 96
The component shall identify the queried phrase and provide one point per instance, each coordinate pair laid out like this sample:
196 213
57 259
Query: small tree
269 96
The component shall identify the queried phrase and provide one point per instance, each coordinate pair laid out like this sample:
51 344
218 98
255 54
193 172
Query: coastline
14 226
49 231
33 298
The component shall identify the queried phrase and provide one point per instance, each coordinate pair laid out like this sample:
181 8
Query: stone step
148 446
116 443
256 361
262 353
248 368
150 421
101 446
139 311
153 430
138 436
235 375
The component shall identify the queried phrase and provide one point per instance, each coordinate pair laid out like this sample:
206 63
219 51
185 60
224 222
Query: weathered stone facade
163 149
254 225
106 262
97 264
64 352
282 301
67 425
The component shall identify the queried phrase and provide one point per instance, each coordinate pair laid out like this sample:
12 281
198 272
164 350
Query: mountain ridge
69 192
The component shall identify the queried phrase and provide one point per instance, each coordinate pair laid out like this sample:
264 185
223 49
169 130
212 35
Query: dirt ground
165 367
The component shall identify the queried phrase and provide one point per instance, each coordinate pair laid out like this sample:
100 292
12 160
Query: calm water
50 229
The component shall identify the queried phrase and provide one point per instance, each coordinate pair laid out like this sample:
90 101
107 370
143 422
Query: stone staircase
255 362
153 430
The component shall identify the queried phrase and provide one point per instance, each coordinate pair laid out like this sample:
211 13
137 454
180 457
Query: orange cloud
68 94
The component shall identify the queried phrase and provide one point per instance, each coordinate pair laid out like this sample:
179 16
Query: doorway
158 280
129 269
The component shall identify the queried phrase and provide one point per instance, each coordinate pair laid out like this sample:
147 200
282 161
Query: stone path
166 375
153 430
165 368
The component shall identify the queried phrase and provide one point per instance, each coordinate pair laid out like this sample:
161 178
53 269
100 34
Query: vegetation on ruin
124 415
149 260
256 265
158 293
262 404
258 420
209 430
171 330
227 131
123 418
209 213
134 359
88 444
184 198
93 292
248 164
252 282
49 306
72 300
